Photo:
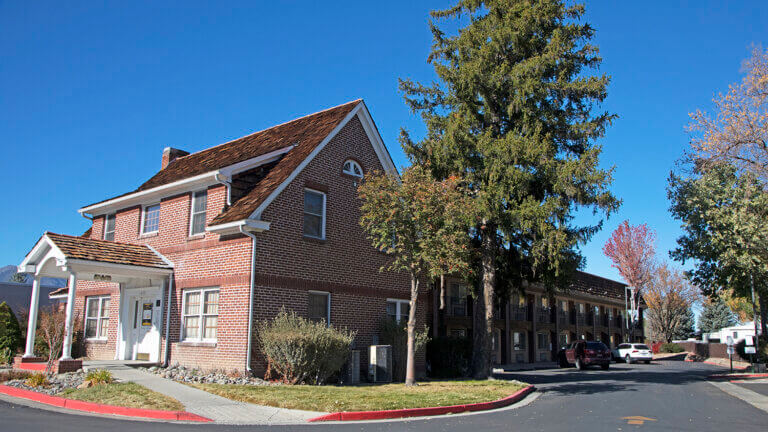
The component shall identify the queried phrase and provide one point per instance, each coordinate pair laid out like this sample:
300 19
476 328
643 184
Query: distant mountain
8 271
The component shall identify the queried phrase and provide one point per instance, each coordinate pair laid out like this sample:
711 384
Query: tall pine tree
512 113
716 315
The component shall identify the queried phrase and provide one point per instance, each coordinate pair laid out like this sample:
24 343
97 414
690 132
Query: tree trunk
763 300
410 362
483 310
442 292
632 313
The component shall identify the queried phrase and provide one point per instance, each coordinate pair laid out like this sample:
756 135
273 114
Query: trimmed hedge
10 331
671 348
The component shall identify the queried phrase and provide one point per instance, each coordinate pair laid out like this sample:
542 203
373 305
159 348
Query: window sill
149 235
96 341
197 344
314 239
196 237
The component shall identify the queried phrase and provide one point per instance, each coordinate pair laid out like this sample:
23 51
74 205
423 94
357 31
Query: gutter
250 298
227 184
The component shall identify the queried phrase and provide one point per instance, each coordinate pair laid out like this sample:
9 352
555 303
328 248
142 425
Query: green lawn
125 394
367 397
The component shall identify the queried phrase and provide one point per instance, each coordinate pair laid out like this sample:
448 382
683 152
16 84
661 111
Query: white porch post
32 325
66 353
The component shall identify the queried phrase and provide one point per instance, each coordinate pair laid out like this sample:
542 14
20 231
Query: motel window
201 314
352 168
197 213
96 317
563 305
563 339
314 214
542 341
458 332
150 220
398 309
109 227
457 299
518 341
319 307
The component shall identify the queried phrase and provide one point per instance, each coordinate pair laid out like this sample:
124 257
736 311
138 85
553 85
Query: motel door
145 325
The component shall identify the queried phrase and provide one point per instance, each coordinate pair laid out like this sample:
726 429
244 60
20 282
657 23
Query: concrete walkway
219 409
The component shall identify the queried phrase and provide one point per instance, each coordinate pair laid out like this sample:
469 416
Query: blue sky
90 94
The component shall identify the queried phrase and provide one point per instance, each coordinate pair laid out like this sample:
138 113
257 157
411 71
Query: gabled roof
106 251
300 137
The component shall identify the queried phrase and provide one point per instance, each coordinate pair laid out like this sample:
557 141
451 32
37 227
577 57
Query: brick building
532 327
180 269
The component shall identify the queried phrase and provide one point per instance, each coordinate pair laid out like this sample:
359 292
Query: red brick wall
288 265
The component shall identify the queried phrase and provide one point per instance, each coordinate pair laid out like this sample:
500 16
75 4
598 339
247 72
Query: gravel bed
186 375
58 383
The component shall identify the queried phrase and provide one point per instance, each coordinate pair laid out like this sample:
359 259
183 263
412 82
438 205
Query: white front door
142 325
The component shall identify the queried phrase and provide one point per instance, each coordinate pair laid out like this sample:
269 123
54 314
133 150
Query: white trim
144 216
378 144
143 269
99 317
192 211
398 306
154 194
114 226
328 305
352 164
234 227
201 315
254 162
278 190
322 215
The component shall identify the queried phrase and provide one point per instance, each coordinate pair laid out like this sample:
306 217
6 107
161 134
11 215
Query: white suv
631 353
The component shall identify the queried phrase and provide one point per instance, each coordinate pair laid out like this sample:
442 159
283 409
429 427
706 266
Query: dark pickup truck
584 353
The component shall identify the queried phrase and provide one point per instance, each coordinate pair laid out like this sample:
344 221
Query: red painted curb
100 408
421 412
728 376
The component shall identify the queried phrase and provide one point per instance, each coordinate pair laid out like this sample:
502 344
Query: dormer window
352 168
109 227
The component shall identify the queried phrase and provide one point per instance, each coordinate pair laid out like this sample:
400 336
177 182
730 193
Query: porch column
66 350
34 302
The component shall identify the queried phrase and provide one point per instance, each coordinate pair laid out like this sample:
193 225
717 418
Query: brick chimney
169 154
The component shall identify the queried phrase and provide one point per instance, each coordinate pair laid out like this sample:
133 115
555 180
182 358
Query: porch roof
57 254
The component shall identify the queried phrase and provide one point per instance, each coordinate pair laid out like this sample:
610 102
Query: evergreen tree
688 327
512 114
10 331
716 315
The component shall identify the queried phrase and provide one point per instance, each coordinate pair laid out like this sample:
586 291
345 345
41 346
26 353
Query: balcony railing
562 317
518 313
543 315
581 319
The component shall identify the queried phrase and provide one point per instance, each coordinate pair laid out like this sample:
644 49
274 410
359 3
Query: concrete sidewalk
217 408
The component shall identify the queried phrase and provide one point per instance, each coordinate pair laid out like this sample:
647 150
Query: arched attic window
352 168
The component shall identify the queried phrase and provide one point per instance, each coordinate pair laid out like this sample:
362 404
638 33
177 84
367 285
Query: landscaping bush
13 374
671 348
302 351
10 332
38 379
449 357
99 376
396 334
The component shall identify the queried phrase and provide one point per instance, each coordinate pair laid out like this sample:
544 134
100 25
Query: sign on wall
146 314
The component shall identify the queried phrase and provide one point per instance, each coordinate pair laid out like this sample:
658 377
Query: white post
34 302
66 353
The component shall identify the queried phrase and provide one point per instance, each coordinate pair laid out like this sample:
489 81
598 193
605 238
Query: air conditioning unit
351 372
380 363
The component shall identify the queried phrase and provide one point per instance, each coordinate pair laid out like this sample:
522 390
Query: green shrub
37 380
449 357
99 376
396 334
302 351
10 332
6 356
671 348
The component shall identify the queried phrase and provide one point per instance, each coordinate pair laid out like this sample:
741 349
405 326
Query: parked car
584 353
631 353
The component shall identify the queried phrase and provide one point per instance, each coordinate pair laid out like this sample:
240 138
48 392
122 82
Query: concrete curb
715 364
730 376
422 412
101 408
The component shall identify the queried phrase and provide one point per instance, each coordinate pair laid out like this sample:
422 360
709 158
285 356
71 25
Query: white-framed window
314 213
109 227
518 341
197 212
581 308
398 309
200 314
352 168
319 307
96 317
150 219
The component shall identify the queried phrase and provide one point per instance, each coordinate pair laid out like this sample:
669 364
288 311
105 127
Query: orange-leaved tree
669 296
632 250
419 222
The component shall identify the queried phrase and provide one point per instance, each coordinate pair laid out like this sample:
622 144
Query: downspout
168 321
228 185
250 298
